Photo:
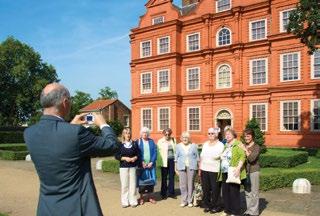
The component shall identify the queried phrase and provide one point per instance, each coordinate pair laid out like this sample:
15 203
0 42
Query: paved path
19 195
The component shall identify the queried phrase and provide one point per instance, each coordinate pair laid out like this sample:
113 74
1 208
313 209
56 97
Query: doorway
223 119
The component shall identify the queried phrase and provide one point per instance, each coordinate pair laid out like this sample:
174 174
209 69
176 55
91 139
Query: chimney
188 2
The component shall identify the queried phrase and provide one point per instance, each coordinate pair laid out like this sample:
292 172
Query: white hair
185 134
145 130
214 130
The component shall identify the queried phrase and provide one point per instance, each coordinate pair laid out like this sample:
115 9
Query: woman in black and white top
209 170
128 156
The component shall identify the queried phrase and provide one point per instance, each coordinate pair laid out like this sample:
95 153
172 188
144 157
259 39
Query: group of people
222 166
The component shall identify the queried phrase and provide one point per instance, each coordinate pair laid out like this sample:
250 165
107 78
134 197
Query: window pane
194 119
316 115
146 49
259 72
146 82
164 45
193 42
290 66
163 80
157 20
164 118
290 115
223 5
224 37
258 30
316 64
146 118
193 79
224 77
259 113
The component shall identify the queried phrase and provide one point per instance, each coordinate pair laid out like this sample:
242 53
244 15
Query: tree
259 135
23 75
79 100
305 23
108 93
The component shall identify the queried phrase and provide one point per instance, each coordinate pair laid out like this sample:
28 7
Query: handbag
146 177
231 178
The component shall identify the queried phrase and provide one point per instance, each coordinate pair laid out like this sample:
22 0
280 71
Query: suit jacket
61 154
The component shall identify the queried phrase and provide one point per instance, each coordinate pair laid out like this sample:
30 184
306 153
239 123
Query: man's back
61 154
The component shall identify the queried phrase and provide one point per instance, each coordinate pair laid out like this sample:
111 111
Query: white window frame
158 81
312 67
187 78
187 41
281 66
230 1
158 45
311 114
153 19
169 113
141 114
281 19
251 70
217 76
141 50
188 125
127 123
281 115
217 37
266 29
142 91
267 112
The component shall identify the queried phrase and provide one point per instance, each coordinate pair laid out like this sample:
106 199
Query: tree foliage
305 23
23 75
259 135
108 93
79 100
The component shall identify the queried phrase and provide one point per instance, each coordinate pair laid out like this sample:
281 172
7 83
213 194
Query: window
193 118
163 45
158 20
284 19
193 79
224 37
223 5
146 85
164 118
258 71
258 30
127 121
224 77
146 118
145 50
193 42
290 119
290 66
260 113
163 81
315 115
315 65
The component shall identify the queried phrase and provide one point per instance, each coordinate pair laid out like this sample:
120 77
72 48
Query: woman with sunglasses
209 170
166 146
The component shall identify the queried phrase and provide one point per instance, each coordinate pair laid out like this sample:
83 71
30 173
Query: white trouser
128 178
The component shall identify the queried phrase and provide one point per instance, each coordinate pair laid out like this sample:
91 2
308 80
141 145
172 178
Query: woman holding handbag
147 166
209 171
232 172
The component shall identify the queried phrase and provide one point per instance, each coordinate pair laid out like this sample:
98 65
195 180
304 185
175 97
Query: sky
87 41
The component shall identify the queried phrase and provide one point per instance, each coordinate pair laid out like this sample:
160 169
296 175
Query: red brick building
220 62
111 110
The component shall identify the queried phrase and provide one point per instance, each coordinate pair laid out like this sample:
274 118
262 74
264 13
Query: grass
3 214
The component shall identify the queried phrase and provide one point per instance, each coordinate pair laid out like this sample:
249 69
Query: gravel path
19 187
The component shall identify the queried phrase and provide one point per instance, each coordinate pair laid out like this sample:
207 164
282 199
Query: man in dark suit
61 154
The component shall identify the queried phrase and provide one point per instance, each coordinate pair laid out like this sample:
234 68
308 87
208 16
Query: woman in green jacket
232 156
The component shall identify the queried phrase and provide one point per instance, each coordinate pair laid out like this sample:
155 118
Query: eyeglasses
167 134
211 133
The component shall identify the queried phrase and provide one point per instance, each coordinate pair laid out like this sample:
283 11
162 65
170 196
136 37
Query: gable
152 3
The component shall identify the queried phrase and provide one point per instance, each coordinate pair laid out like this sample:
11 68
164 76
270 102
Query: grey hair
54 98
145 130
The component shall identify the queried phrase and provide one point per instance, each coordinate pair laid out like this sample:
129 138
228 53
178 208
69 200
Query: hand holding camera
89 118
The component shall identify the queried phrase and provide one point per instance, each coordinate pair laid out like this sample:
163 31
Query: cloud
99 44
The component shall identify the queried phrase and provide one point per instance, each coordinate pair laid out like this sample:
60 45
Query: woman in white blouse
209 170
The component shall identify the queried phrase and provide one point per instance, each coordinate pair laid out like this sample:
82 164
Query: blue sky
85 40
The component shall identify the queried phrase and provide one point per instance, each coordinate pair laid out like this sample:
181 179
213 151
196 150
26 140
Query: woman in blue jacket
186 159
147 166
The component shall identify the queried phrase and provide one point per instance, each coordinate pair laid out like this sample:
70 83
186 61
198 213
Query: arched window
224 37
224 76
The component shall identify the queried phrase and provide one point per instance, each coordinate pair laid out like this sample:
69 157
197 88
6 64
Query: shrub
13 151
11 137
284 158
259 135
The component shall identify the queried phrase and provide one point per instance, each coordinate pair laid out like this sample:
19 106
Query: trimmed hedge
11 137
284 158
13 151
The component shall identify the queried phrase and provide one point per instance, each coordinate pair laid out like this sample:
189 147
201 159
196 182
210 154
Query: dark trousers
165 171
231 196
211 189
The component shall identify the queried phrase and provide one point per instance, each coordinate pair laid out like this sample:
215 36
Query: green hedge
284 158
11 137
13 151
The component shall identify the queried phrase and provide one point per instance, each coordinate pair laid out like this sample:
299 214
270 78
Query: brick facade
259 67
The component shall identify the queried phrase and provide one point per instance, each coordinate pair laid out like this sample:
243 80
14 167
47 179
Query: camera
89 118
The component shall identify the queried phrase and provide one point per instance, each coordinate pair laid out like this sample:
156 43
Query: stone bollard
301 186
99 165
28 158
